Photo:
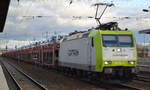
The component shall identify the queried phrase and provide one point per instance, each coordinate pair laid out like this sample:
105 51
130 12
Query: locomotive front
116 53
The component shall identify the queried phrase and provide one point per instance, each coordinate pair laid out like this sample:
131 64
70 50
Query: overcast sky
56 17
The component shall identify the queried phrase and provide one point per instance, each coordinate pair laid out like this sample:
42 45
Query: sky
30 20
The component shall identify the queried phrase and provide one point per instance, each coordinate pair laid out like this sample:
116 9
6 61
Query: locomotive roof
77 35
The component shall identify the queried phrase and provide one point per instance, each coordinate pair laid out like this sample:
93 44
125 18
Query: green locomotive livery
114 49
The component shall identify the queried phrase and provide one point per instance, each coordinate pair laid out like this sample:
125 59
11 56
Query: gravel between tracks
140 84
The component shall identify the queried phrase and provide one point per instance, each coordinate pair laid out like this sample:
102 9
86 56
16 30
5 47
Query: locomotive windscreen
117 41
125 41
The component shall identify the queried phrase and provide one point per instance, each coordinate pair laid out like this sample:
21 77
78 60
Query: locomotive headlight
107 62
118 49
131 62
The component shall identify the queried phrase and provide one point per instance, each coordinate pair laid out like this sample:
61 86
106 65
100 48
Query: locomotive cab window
125 41
109 41
117 41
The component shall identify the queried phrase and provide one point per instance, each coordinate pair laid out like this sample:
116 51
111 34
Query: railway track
14 83
128 87
21 79
103 85
111 85
119 86
143 78
115 86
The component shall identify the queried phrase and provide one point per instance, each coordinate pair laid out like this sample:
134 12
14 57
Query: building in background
143 50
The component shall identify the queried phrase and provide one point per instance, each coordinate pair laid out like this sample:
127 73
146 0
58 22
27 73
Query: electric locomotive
109 52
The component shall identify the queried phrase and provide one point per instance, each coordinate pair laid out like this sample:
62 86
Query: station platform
3 82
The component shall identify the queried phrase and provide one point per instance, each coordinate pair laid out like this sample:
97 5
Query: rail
143 78
30 78
18 87
129 86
